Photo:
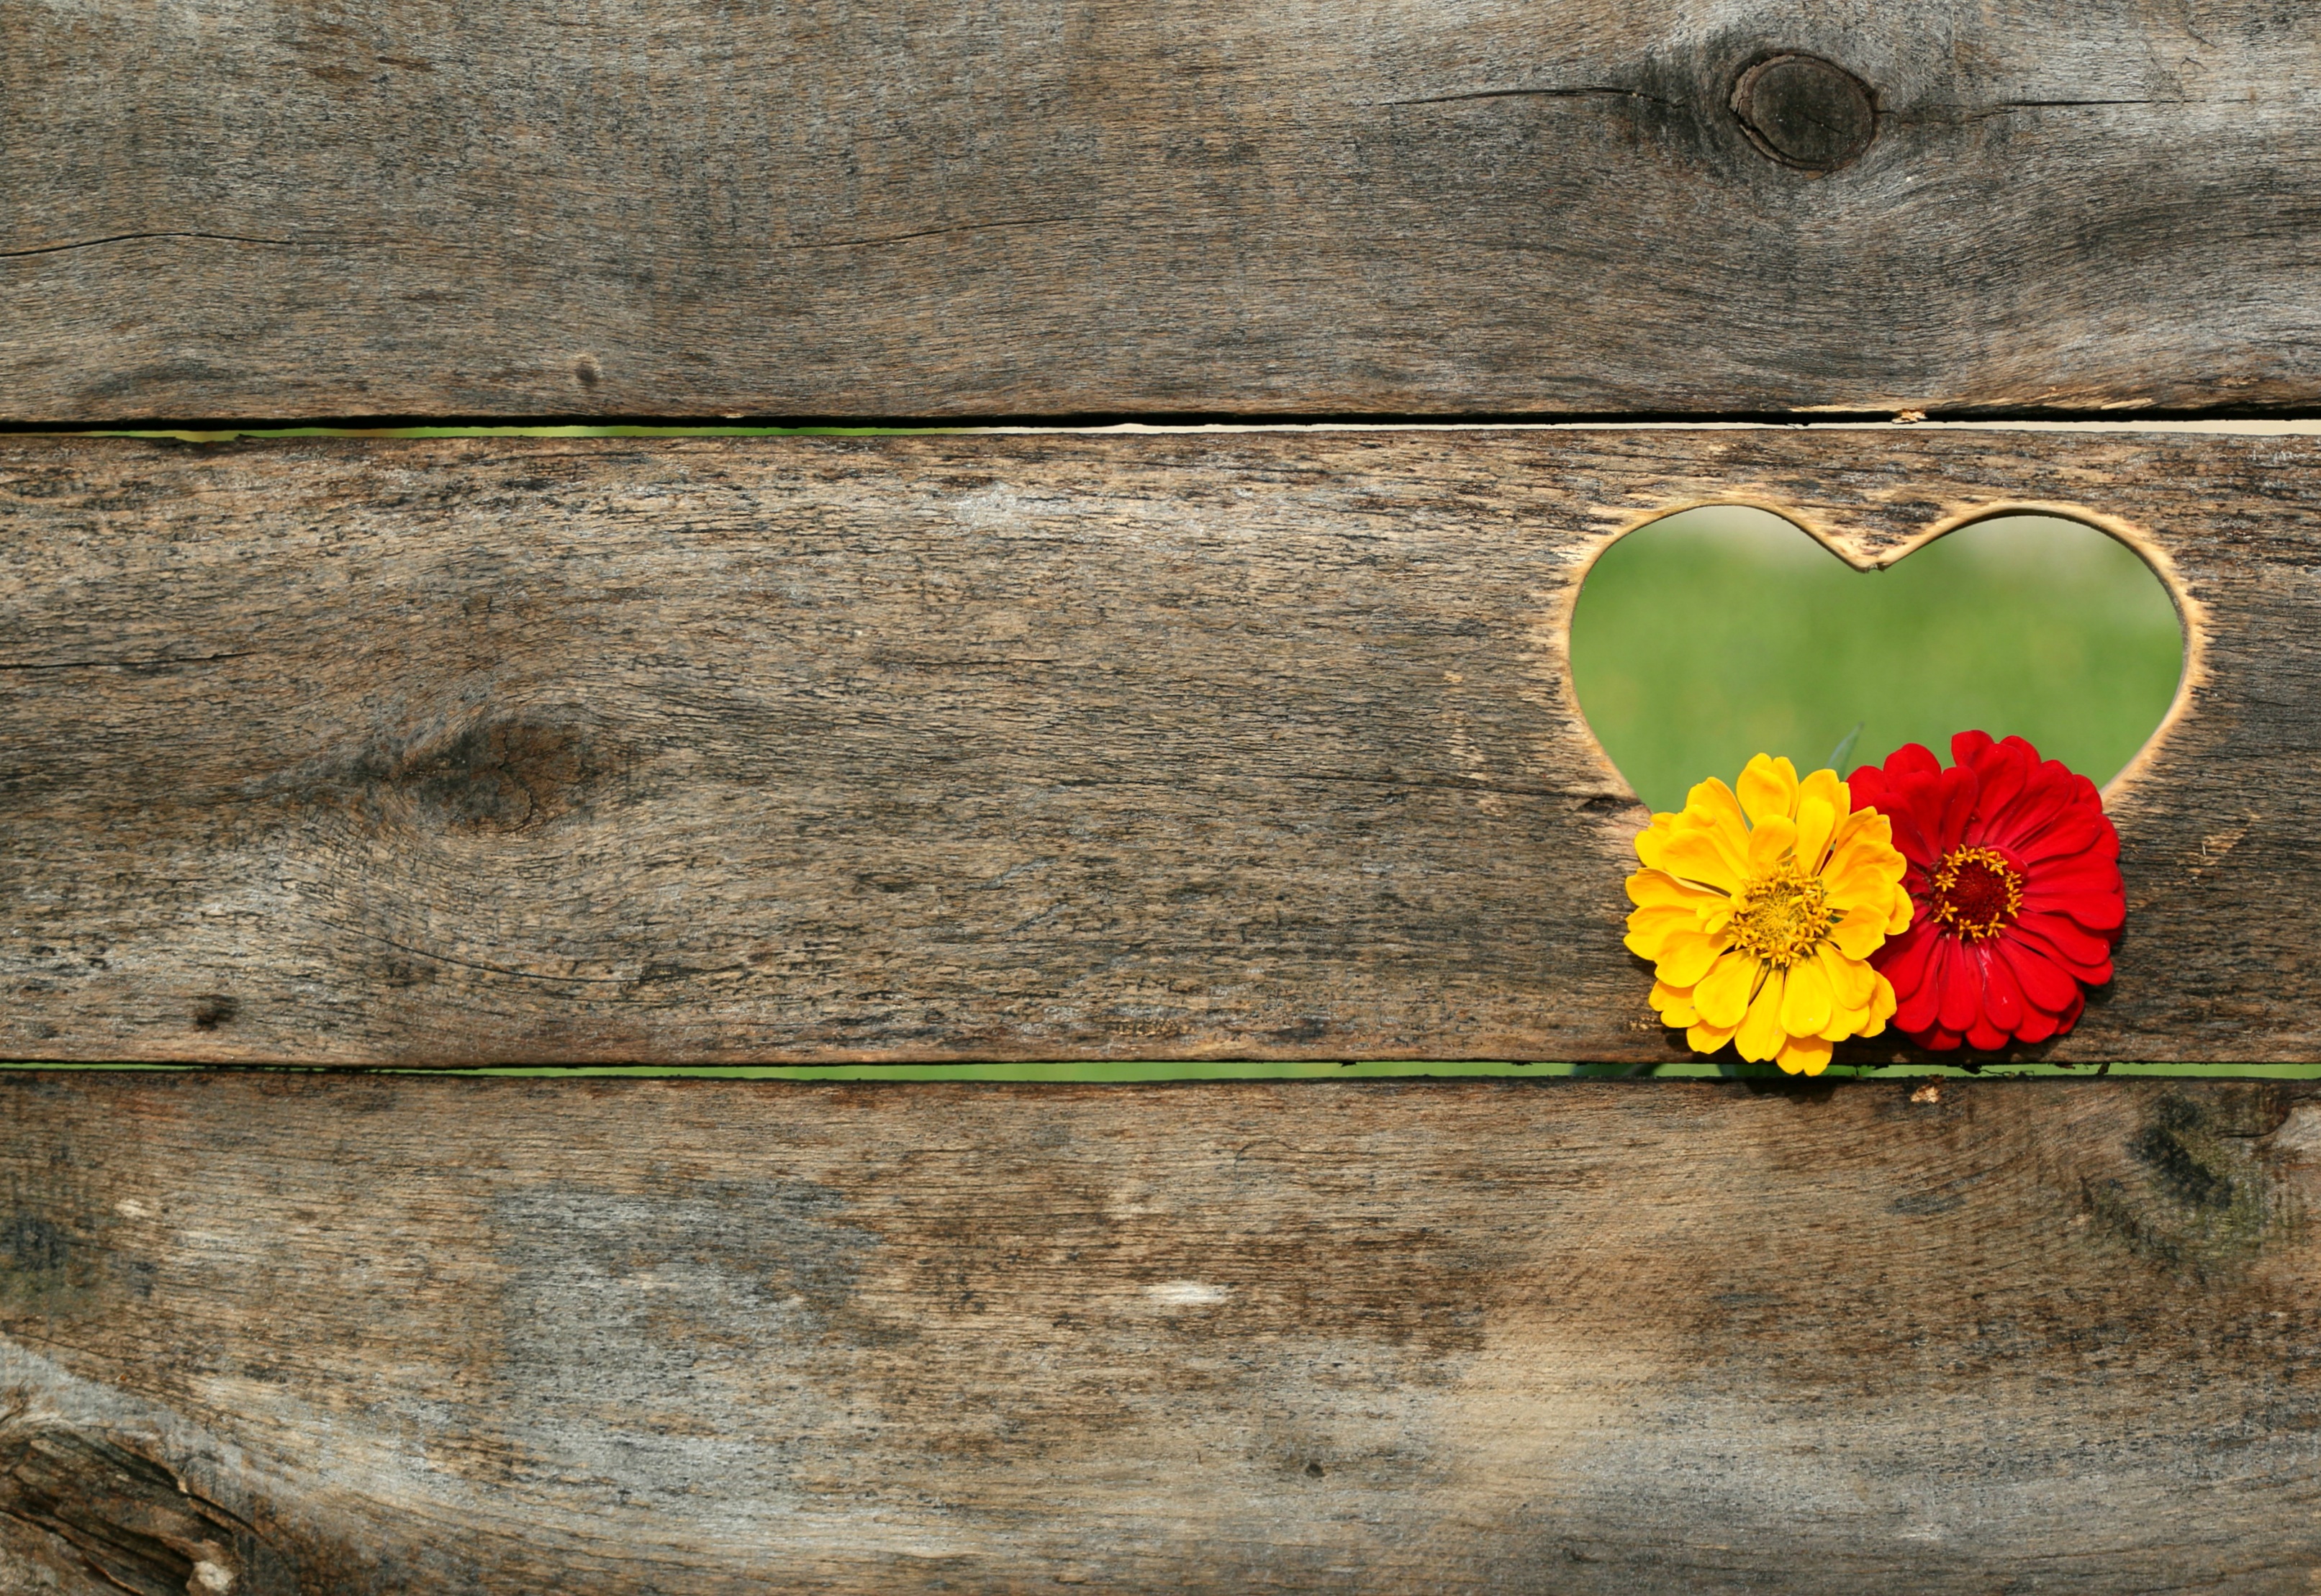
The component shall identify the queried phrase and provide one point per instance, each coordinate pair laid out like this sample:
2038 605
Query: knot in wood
1804 112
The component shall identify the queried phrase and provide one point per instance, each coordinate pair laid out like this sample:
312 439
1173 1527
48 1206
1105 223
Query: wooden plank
1189 745
415 1334
911 207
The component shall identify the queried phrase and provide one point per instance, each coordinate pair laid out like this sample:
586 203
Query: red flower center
1977 892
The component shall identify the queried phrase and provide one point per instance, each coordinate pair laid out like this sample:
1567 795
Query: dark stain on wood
214 1010
504 776
2206 1200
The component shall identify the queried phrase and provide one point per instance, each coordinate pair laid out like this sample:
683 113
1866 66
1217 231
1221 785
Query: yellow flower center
1778 918
1977 892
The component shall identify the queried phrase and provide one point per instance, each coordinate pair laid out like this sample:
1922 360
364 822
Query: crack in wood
124 238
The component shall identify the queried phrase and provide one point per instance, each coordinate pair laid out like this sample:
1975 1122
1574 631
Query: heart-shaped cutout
1716 633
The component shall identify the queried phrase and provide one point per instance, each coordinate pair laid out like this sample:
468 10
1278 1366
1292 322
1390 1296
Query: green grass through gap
1146 1072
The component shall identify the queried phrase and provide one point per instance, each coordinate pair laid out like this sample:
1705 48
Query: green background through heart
1714 634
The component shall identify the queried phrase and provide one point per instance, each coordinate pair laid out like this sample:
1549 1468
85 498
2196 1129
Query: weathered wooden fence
1251 743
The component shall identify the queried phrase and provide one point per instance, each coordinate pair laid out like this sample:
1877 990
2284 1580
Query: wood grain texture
919 208
1176 746
435 1334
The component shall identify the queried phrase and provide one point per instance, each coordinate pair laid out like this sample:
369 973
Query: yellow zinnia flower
1761 911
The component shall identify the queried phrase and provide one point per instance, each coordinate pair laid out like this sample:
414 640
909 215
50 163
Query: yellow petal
1828 786
1904 910
1851 984
1714 803
1707 1039
1657 889
1769 787
1761 1035
1860 888
1863 837
1864 859
1806 1002
1803 1056
1651 839
1685 958
1850 981
1819 796
1858 934
1692 853
1722 996
1825 786
1770 842
1721 823
1649 929
1864 828
1881 1006
1673 1004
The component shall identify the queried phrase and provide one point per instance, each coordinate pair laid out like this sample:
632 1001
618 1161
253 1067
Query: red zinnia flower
2015 874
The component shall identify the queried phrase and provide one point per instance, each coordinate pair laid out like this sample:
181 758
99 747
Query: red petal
1912 758
1914 846
1913 803
2002 994
2078 835
2002 772
2083 877
2079 797
2082 873
2094 974
2076 945
2044 985
2067 841
2070 1016
1903 959
1866 787
1939 1040
2098 912
1959 790
2034 803
1986 1037
1916 1009
1967 746
1961 990
2038 1027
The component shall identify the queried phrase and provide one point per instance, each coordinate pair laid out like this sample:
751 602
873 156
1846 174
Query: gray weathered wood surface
914 207
1188 745
426 1334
